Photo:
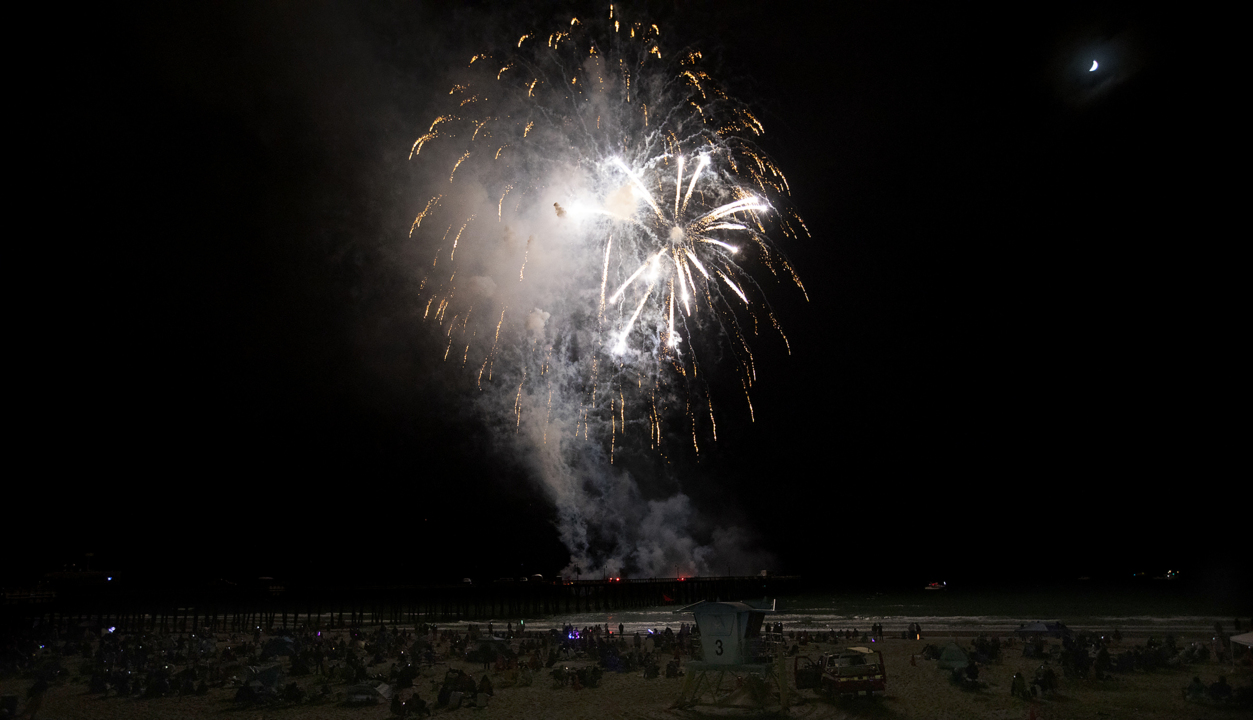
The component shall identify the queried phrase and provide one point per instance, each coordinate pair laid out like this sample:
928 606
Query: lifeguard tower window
718 625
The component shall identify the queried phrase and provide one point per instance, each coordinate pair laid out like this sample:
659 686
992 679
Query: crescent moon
1095 65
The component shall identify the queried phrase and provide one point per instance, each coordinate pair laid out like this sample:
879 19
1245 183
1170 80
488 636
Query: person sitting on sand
35 697
1103 663
1037 648
956 678
1019 688
1045 679
1195 689
1220 691
417 707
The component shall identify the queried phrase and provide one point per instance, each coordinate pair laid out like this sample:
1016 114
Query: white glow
673 341
719 243
654 266
678 185
733 286
639 187
704 160
614 298
743 204
1095 65
692 256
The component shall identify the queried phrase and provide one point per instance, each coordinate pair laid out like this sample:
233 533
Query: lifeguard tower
732 643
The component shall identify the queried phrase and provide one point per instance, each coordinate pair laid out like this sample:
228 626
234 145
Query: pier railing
184 609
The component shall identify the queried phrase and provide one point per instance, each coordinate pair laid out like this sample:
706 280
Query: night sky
1018 359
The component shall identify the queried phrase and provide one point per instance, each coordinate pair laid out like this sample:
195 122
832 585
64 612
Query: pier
226 608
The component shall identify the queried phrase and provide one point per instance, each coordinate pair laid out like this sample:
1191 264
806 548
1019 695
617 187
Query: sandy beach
916 689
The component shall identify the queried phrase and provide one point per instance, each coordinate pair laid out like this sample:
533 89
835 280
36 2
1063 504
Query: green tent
953 656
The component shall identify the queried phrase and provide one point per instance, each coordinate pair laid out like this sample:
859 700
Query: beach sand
914 691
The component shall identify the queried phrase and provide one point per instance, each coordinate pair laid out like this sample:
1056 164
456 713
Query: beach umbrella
1053 629
1057 629
1035 628
366 693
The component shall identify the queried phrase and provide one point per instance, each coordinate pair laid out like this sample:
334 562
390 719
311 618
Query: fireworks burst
597 210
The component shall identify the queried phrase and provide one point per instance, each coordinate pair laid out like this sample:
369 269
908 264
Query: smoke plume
593 213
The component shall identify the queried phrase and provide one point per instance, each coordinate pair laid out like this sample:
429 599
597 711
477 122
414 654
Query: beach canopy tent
267 675
363 693
283 646
1054 629
953 656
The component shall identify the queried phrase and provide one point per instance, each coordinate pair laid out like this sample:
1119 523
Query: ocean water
1101 609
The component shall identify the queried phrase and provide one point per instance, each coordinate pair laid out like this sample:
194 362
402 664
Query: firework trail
595 212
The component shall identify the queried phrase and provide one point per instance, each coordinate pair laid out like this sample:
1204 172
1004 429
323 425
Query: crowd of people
261 666
1096 656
